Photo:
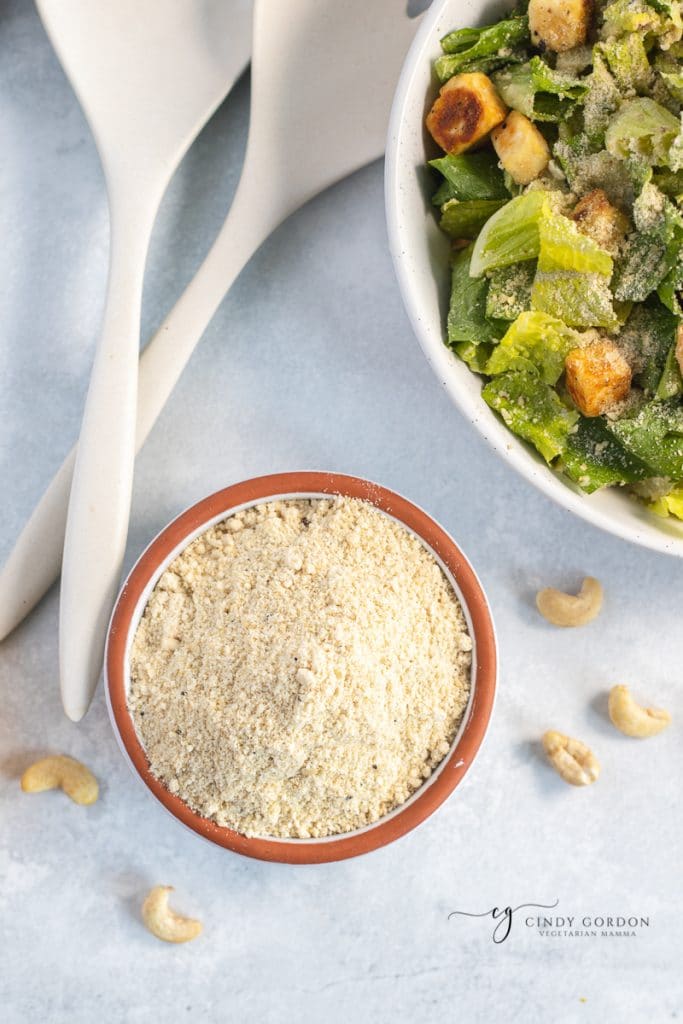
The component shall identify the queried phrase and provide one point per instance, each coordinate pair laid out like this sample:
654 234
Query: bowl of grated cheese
420 252
301 667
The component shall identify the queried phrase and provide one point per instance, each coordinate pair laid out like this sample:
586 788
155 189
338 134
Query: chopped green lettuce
467 320
564 247
644 128
510 235
671 287
643 266
675 154
648 335
539 92
670 384
529 281
582 300
469 176
670 183
482 49
466 219
572 280
534 343
655 434
670 73
532 410
510 290
586 170
652 251
628 62
601 102
625 16
670 504
476 356
658 20
594 457
670 30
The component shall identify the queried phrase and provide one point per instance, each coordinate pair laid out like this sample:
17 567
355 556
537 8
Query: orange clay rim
470 735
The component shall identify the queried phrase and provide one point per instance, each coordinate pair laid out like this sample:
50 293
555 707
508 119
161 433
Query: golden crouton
559 25
466 110
595 216
521 148
597 377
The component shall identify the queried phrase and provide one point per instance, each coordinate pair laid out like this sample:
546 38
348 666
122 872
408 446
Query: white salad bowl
420 254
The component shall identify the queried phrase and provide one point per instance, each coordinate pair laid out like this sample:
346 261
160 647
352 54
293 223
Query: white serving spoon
323 75
148 75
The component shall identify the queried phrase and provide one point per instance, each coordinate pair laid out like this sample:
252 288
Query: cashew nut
571 758
164 922
64 772
632 719
569 610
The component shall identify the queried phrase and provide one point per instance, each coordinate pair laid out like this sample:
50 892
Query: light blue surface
310 363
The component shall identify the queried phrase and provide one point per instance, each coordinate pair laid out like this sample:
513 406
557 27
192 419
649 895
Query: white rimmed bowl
420 254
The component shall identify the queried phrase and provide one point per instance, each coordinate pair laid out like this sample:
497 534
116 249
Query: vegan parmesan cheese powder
300 669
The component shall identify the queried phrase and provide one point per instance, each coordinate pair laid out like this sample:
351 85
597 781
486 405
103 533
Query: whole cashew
571 758
632 719
164 922
64 773
568 610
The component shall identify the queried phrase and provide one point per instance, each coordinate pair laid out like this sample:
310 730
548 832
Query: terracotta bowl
161 552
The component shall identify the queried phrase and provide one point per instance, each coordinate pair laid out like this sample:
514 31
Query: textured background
310 363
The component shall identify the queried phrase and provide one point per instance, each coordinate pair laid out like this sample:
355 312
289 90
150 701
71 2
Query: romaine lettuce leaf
510 235
572 280
658 20
670 31
535 343
476 356
627 60
652 251
594 458
670 504
532 410
670 183
675 155
670 73
466 219
670 384
643 266
585 170
602 101
510 290
625 16
467 320
581 300
539 92
655 434
482 49
563 247
469 176
644 128
648 336
670 288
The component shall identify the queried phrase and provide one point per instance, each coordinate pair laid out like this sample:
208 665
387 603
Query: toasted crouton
559 25
595 216
598 377
521 148
466 110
